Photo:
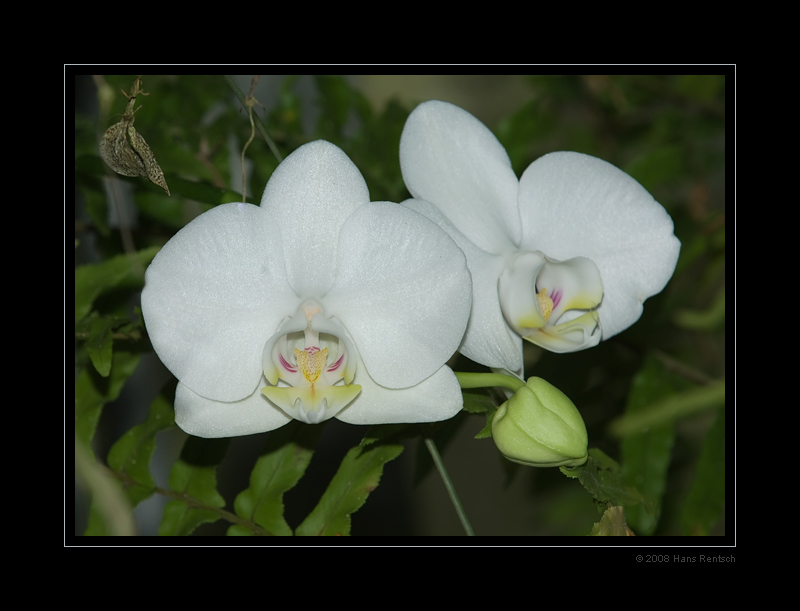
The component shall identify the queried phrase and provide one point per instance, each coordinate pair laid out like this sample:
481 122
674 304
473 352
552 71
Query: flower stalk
437 460
488 380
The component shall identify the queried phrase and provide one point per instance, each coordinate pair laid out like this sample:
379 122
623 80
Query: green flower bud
540 427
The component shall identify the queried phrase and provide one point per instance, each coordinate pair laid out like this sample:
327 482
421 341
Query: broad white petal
451 159
213 296
432 400
204 417
402 291
576 205
488 339
309 196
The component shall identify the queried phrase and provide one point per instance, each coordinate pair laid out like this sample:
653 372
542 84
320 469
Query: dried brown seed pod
126 151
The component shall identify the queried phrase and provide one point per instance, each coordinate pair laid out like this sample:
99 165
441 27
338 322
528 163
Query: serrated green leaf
92 392
358 475
646 455
602 478
478 401
131 454
194 476
93 280
130 458
282 463
705 503
486 431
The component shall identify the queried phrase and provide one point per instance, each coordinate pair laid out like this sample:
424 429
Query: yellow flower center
311 362
301 381
545 304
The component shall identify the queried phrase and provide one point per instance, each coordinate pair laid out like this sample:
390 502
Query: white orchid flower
316 304
562 257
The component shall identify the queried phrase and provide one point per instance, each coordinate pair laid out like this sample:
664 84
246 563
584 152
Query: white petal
576 205
451 159
207 418
432 400
213 296
310 195
488 339
402 291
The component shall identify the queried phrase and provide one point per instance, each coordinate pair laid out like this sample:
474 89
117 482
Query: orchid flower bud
540 427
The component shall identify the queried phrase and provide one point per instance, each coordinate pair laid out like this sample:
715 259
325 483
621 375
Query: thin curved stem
437 460
259 123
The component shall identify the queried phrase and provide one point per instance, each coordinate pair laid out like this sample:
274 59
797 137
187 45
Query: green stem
191 502
261 127
437 460
483 380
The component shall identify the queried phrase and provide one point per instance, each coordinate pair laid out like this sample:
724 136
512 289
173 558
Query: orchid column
316 304
563 257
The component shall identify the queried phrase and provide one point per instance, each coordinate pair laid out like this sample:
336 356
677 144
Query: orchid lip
552 303
304 382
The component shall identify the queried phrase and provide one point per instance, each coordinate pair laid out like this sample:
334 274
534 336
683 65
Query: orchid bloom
563 257
316 304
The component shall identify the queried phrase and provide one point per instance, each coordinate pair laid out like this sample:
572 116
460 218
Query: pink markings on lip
286 365
556 297
337 364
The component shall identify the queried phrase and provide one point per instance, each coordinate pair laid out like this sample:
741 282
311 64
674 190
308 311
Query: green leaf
602 478
131 454
99 343
130 458
706 500
282 463
646 455
92 392
358 475
91 281
194 477
480 401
